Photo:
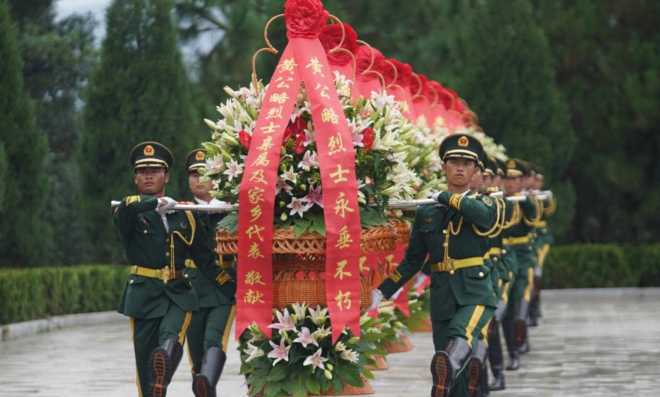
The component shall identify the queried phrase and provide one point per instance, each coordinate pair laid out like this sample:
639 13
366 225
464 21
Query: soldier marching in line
158 298
519 238
453 235
208 333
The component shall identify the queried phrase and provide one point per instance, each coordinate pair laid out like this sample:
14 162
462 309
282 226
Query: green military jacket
524 252
207 293
470 285
149 245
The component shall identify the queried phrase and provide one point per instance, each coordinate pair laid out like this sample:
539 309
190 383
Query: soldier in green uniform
518 237
208 333
158 298
544 240
462 299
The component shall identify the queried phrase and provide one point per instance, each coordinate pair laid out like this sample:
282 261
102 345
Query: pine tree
58 57
503 68
25 235
139 92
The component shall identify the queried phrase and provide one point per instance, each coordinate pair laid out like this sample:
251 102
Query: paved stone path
589 344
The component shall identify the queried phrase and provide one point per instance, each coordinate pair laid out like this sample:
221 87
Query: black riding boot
496 359
475 367
520 323
205 381
163 363
446 366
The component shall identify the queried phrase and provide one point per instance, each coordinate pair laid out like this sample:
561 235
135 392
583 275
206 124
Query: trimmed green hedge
602 265
29 294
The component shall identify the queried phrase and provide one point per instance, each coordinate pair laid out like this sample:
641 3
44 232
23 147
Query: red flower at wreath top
304 18
330 38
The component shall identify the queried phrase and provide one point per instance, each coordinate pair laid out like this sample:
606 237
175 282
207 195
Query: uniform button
481 274
444 231
131 282
144 232
503 252
185 275
529 248
167 240
451 272
167 254
494 259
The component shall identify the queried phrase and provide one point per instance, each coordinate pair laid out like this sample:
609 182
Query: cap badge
149 150
199 156
511 164
463 141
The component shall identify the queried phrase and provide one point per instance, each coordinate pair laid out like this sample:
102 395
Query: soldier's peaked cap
151 154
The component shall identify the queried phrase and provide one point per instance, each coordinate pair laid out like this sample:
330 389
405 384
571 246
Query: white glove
436 196
376 297
215 201
421 277
396 294
163 208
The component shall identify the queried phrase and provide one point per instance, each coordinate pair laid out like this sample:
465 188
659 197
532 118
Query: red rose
368 138
245 138
363 57
304 18
299 145
330 38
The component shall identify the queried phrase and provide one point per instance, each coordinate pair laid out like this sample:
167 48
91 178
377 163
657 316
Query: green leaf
229 223
298 386
272 389
312 385
279 372
351 374
300 226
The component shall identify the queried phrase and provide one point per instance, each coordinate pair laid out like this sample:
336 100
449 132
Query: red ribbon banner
254 296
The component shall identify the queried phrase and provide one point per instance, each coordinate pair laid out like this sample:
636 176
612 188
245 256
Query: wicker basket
402 231
426 326
381 363
395 347
348 390
300 278
377 239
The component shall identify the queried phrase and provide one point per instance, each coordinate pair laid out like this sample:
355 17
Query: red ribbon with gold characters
254 296
303 59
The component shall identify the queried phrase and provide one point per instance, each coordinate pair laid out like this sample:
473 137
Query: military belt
455 264
493 251
164 274
517 240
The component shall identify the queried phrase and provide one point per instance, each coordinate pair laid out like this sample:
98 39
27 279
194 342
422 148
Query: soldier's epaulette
132 199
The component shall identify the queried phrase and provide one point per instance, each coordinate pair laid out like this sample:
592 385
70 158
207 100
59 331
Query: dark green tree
139 92
58 57
25 234
502 65
607 57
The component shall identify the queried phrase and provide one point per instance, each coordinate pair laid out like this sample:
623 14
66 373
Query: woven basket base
426 326
348 390
381 364
406 346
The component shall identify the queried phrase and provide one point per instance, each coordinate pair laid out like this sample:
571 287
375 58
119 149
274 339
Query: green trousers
148 334
209 327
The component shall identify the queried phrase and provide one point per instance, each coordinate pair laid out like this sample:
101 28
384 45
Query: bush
602 265
29 294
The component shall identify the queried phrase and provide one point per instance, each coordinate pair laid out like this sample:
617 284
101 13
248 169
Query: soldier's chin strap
193 227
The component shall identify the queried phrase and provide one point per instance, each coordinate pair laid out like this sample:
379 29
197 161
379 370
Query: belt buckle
165 274
448 265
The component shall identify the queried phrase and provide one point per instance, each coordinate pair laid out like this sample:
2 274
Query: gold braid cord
496 226
538 215
515 217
